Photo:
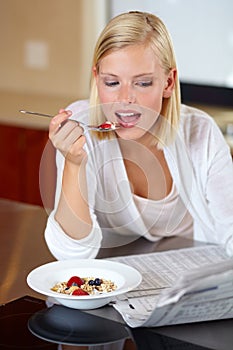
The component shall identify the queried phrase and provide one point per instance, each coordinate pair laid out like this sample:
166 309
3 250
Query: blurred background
45 62
46 45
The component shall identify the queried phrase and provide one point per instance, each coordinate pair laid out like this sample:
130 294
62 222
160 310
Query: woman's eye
111 83
144 83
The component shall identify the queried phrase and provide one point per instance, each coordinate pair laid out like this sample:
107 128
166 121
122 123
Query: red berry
105 126
75 281
79 291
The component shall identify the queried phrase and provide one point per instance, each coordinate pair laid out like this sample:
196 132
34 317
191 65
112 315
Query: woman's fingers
76 153
58 121
67 136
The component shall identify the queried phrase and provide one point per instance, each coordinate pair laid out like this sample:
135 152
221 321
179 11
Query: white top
201 167
166 217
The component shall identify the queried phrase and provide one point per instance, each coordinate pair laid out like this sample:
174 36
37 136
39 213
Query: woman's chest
149 176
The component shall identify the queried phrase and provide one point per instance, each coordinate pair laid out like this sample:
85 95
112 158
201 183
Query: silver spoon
106 126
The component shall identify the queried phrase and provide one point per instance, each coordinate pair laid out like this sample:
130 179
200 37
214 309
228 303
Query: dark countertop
23 248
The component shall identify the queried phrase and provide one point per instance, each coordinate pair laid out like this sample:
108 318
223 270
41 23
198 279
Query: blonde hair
143 28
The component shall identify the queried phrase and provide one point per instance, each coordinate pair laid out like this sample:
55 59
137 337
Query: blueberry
91 283
74 284
98 281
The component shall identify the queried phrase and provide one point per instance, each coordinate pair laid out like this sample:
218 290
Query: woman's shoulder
199 129
78 106
80 110
194 115
196 121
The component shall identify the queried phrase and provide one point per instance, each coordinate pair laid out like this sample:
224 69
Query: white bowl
44 277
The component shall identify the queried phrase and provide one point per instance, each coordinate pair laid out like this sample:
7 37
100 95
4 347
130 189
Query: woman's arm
219 188
72 211
72 230
61 245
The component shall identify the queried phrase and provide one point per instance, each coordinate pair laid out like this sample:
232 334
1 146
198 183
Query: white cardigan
201 167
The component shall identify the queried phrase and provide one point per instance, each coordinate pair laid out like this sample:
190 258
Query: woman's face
131 86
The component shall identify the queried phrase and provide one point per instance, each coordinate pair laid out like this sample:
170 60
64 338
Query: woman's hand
67 136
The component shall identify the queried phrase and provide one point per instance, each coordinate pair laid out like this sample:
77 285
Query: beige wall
67 28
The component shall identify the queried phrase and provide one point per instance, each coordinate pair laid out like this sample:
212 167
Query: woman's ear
94 71
170 83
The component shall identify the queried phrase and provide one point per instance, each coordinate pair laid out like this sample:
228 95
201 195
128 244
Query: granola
84 286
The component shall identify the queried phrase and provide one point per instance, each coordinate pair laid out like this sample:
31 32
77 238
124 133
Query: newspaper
179 286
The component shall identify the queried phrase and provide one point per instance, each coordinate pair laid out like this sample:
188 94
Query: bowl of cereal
83 283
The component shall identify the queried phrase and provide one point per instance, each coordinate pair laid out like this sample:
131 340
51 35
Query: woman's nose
127 95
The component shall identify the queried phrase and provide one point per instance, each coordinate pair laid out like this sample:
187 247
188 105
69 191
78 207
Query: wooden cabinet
23 153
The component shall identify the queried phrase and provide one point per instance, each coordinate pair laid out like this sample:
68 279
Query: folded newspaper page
179 286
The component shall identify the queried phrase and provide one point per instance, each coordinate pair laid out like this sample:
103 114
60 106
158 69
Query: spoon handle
99 128
36 113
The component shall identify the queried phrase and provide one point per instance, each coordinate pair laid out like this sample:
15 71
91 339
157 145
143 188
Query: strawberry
75 281
106 125
79 291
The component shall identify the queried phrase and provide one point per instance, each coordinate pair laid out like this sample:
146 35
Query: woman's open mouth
127 119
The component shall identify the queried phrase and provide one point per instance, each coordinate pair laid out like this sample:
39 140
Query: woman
166 170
